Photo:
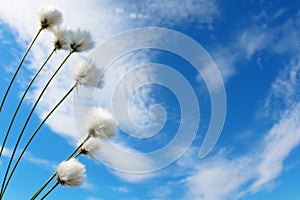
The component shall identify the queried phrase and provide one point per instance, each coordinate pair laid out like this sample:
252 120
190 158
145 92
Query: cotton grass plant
70 172
80 40
79 43
86 75
100 124
60 42
49 18
91 147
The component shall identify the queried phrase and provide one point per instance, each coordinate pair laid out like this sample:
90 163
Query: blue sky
255 45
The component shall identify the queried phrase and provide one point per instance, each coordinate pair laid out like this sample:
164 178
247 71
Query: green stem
28 118
78 154
19 67
22 98
49 191
53 175
34 134
43 187
74 152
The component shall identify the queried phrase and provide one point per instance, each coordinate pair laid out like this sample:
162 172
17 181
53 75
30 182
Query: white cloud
1 35
169 13
279 39
225 59
28 156
6 152
279 142
225 176
161 192
253 41
50 165
108 18
121 189
93 198
123 162
219 178
88 186
284 93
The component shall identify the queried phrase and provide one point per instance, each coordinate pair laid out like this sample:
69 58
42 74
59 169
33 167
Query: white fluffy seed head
81 40
87 74
49 18
61 39
71 173
91 147
100 123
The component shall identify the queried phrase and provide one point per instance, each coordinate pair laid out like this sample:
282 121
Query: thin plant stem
19 67
43 187
78 154
28 118
50 190
22 98
53 175
34 134
79 146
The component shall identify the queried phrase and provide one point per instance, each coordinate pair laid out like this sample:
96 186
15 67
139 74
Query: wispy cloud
225 176
161 192
252 41
93 198
168 13
88 186
6 152
123 163
219 178
121 189
48 164
226 59
279 142
284 93
276 39
259 168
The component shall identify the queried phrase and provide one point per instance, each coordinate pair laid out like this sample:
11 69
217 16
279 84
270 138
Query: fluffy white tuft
50 17
61 39
87 74
81 40
91 147
100 123
71 173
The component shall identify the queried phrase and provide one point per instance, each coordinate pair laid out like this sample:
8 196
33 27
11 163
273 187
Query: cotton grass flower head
71 173
100 123
49 18
91 147
87 74
81 40
60 40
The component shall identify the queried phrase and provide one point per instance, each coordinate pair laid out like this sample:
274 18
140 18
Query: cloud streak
260 167
225 176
